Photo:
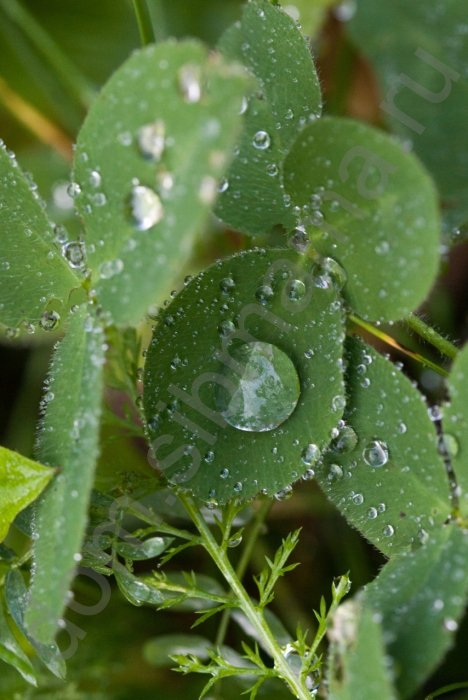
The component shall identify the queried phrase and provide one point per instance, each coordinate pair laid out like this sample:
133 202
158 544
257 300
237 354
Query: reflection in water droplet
151 140
296 290
74 252
264 388
358 499
335 472
345 441
146 207
336 273
310 454
299 240
189 82
227 284
49 320
261 140
375 453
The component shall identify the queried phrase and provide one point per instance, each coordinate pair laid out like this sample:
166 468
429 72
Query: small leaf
147 164
455 424
157 651
145 549
16 596
420 597
21 482
11 651
268 42
68 439
421 72
365 200
242 379
358 667
33 272
383 470
136 590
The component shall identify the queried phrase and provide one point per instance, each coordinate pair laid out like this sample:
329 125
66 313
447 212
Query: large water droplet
74 252
310 454
345 441
261 140
147 209
151 140
265 388
49 320
375 453
264 294
335 272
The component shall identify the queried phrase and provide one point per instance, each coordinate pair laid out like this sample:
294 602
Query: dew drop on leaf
261 140
146 207
189 83
49 320
74 253
264 294
151 140
375 454
263 388
310 454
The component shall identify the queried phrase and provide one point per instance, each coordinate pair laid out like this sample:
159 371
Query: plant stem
384 337
253 615
444 346
243 563
143 18
74 82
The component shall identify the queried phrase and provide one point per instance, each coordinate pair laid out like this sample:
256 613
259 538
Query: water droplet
261 140
234 541
372 513
95 178
450 624
238 487
335 272
110 268
335 472
125 138
296 290
272 170
49 320
388 531
345 11
264 388
151 140
402 428
338 403
375 453
226 328
358 499
264 294
434 413
382 248
223 185
284 494
189 82
227 284
207 190
146 206
310 454
299 240
345 441
73 190
74 252
448 445
224 473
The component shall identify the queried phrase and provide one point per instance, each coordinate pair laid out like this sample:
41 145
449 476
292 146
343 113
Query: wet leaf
68 439
423 80
11 651
420 597
21 482
147 165
243 382
33 273
455 424
137 591
383 470
268 42
365 199
145 549
358 667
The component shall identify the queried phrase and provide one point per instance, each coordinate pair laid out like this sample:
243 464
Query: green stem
341 590
444 346
254 616
71 78
143 18
243 563
384 337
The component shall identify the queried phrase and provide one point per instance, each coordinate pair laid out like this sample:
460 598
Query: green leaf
21 482
33 272
310 14
135 589
148 159
243 382
268 42
421 71
157 651
358 667
383 471
11 651
145 549
455 425
373 208
16 596
68 439
420 596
